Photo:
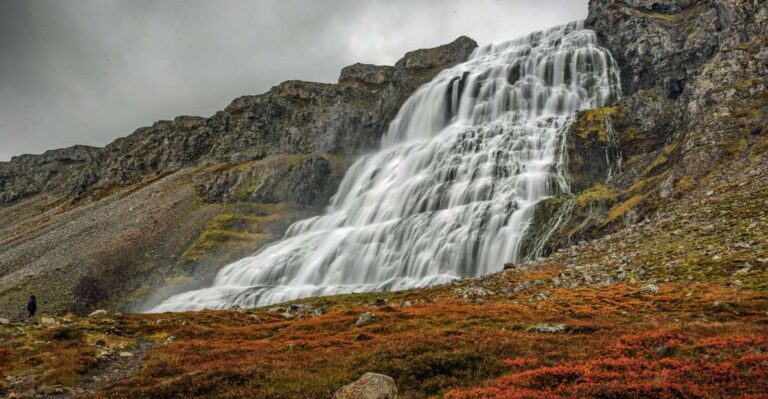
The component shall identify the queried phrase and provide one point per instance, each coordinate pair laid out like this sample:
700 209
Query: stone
48 321
369 386
650 289
4 321
380 301
405 304
100 312
126 354
547 328
665 350
100 342
365 318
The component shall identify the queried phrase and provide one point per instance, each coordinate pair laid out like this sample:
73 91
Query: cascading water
451 191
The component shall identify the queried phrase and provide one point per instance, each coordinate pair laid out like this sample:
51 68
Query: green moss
662 158
239 228
683 16
620 210
597 194
593 122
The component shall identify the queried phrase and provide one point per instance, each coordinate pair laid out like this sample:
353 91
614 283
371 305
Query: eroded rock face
662 43
693 115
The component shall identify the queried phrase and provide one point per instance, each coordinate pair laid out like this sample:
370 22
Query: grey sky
89 71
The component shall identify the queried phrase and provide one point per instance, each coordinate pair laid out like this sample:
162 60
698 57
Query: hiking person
32 305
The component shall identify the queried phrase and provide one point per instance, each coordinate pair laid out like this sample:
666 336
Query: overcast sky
89 71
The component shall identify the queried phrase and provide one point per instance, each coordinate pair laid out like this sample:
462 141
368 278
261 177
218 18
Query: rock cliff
693 116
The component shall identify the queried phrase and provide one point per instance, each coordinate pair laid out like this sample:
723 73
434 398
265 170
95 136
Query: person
32 305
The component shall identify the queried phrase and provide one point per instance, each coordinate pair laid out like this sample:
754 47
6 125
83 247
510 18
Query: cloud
90 71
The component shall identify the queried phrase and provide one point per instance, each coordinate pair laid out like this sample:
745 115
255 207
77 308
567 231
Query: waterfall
452 189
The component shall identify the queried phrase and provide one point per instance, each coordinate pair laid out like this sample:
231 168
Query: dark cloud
87 72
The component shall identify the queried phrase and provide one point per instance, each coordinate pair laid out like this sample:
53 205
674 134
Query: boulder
365 318
369 386
100 312
547 328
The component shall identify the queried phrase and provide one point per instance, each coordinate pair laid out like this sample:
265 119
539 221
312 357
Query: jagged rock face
292 118
662 43
694 115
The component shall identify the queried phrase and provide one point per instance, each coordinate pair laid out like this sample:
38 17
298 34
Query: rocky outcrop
693 116
87 227
662 43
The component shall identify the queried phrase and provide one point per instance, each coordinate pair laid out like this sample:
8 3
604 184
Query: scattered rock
650 289
364 319
369 386
380 301
51 390
4 321
100 342
48 321
473 292
318 312
255 318
406 304
125 354
547 328
665 350
100 312
236 308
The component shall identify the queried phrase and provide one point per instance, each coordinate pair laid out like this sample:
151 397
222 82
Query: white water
451 191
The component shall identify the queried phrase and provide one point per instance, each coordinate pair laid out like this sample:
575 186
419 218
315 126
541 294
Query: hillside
162 209
649 279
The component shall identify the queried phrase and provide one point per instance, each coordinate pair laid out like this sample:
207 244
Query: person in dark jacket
32 305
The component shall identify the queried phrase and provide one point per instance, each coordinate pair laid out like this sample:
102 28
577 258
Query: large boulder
369 386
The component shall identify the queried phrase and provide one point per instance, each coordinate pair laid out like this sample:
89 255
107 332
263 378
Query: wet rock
364 319
369 386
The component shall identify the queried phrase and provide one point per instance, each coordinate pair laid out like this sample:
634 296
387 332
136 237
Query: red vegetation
712 367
